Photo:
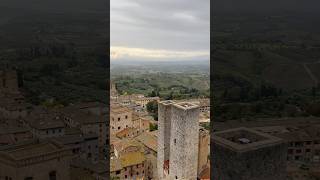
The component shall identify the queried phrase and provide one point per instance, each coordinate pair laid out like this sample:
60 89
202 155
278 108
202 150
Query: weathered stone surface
178 140
265 160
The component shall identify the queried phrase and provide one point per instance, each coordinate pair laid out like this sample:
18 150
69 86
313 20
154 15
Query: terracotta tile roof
149 140
132 158
125 132
115 165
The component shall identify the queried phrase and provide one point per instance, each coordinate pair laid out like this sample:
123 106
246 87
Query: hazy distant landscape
266 65
175 79
57 49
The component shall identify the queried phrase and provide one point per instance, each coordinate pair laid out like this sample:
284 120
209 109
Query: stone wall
204 140
184 143
268 163
164 127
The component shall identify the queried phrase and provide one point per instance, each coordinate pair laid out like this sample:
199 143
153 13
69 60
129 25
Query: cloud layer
155 54
167 29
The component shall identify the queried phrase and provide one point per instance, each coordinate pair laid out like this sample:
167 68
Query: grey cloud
161 24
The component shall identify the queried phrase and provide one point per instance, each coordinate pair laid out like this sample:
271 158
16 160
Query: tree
170 96
152 108
153 127
153 94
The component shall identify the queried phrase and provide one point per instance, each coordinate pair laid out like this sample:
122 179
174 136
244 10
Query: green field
265 66
177 83
60 54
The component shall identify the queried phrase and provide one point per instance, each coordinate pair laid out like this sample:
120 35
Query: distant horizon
148 54
159 30
155 61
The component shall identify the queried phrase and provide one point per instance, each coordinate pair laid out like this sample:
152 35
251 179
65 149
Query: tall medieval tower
9 81
178 140
164 126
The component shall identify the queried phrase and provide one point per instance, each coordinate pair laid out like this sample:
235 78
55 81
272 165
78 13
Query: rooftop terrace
186 105
244 139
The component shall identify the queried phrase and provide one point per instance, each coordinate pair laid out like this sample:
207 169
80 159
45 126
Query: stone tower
246 154
9 81
164 126
204 150
178 140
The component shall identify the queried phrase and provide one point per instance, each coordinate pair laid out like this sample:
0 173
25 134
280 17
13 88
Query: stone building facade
120 118
164 130
88 123
246 154
35 161
9 81
12 102
204 149
179 159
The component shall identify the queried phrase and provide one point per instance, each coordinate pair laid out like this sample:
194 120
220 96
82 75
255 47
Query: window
175 141
117 172
126 117
118 119
126 176
298 144
119 128
176 177
53 175
308 142
308 150
137 173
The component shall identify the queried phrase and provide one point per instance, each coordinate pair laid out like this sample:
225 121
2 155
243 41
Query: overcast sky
160 29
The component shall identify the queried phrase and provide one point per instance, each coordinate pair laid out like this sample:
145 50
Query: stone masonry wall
184 143
267 163
164 126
